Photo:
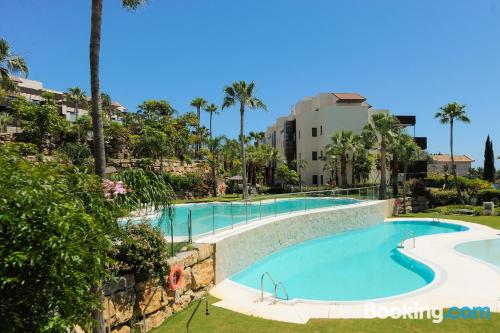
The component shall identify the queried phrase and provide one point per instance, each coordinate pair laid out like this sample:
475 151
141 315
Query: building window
314 132
314 155
321 130
321 154
321 180
315 179
299 134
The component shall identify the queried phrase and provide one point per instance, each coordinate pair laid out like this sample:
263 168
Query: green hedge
489 195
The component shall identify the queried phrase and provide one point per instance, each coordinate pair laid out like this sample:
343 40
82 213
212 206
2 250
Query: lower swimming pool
207 217
356 265
487 250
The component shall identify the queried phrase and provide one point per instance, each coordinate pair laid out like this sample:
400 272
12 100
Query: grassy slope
222 320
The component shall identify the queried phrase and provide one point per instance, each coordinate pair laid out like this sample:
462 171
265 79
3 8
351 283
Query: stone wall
145 303
174 167
240 249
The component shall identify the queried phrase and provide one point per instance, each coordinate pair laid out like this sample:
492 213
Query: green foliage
444 197
287 175
53 244
190 182
77 153
22 148
489 161
141 249
489 195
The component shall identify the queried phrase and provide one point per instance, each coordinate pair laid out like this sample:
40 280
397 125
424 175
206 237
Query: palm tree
385 126
77 97
214 158
407 152
299 166
450 113
95 48
198 103
258 137
342 143
97 127
211 109
242 93
10 64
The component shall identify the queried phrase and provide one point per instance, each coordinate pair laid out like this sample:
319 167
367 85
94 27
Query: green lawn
490 221
222 321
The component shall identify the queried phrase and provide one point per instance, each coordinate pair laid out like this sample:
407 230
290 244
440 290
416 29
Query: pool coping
242 299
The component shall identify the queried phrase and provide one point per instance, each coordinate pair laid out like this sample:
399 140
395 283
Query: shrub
190 182
489 195
141 249
444 197
77 153
53 245
434 180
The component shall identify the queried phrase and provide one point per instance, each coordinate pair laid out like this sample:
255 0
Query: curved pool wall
239 248
487 250
362 264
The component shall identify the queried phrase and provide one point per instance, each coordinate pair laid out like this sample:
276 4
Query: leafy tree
153 143
77 153
95 48
116 137
10 64
154 110
242 93
258 137
4 121
449 114
214 158
287 175
385 127
489 161
299 165
41 122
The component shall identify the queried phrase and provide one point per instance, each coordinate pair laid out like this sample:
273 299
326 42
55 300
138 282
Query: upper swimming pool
356 265
487 250
208 217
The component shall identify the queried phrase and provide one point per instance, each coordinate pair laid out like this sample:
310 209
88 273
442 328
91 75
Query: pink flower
112 189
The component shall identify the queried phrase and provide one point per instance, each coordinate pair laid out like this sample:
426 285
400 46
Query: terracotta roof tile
447 158
350 97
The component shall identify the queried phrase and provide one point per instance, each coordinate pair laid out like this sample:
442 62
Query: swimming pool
487 250
207 217
356 265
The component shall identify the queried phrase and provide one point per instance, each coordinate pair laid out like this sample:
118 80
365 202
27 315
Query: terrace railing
226 215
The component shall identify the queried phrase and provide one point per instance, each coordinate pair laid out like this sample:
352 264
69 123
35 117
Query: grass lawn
490 221
222 321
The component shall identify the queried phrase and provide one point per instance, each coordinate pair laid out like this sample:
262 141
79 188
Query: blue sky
408 56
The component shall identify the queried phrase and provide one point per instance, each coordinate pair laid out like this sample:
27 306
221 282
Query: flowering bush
112 189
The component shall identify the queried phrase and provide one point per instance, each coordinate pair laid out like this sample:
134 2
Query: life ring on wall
175 277
398 202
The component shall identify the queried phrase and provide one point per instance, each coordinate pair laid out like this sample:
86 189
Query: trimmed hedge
489 195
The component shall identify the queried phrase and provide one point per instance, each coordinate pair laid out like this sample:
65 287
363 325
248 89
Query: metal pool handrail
279 283
408 235
262 284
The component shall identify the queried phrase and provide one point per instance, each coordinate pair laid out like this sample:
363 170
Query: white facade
316 119
442 163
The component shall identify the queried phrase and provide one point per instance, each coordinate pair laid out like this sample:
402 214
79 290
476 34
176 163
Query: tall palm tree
214 158
299 166
242 93
342 143
77 97
95 49
407 152
97 127
198 103
450 113
386 127
10 64
211 110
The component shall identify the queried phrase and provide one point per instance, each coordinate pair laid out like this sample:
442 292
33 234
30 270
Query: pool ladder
408 235
275 284
436 217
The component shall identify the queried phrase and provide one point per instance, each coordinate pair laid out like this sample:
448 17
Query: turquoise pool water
487 250
356 265
209 216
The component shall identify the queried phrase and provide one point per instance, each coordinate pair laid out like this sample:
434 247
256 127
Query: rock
184 301
151 300
120 283
199 294
204 250
186 259
121 329
147 284
119 307
202 274
157 318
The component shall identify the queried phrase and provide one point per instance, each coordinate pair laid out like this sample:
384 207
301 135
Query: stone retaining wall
146 303
171 166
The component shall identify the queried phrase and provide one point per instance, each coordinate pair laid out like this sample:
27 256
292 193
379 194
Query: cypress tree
489 161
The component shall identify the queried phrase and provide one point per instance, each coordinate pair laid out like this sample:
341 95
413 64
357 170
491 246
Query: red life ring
398 203
175 277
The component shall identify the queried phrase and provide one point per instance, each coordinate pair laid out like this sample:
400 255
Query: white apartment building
304 134
32 90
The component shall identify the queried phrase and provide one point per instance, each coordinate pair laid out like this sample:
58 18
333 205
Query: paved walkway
460 281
